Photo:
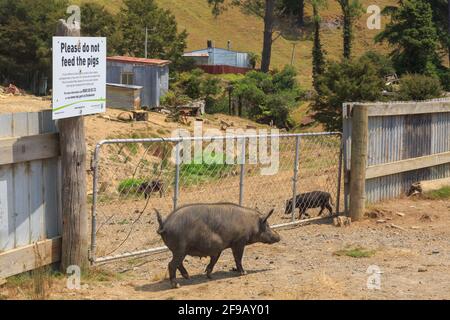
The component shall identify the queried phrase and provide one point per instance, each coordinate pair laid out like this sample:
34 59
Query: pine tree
351 10
317 53
99 22
415 37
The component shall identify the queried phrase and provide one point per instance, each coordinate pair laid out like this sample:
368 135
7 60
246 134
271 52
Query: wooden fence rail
407 142
30 183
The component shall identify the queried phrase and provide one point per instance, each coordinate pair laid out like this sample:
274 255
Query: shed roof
151 62
195 54
126 86
212 50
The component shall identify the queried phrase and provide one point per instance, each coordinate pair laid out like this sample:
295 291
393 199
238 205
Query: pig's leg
177 260
321 210
329 208
211 265
183 271
303 213
238 252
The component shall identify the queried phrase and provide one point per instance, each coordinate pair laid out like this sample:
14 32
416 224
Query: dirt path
414 263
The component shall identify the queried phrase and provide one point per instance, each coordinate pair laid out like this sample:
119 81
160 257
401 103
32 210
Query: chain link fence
131 177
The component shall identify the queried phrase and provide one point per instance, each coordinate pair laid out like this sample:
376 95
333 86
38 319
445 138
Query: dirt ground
413 258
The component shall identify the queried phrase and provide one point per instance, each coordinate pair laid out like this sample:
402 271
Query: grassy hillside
245 32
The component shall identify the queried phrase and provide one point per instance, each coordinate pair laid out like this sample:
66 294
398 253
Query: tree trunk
318 55
347 34
449 30
301 13
269 20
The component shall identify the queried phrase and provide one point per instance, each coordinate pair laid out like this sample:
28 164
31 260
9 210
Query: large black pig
205 230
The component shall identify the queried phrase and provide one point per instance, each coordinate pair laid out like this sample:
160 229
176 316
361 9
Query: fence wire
133 177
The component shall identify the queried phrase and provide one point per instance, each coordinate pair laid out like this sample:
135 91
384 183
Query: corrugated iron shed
151 74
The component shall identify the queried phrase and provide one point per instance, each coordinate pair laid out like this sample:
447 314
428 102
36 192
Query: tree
347 81
441 18
317 53
295 8
98 22
164 41
266 98
269 21
351 10
269 10
414 35
26 30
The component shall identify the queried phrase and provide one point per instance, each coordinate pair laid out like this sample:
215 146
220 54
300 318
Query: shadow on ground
164 285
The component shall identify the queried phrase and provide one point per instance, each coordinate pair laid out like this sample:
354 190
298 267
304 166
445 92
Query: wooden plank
387 169
30 257
29 148
360 137
51 198
6 208
52 194
36 185
6 192
395 109
21 193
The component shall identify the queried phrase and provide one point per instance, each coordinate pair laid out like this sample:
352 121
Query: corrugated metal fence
29 191
408 142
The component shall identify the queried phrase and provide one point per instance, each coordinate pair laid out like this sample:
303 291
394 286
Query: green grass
355 252
441 194
99 275
129 186
197 173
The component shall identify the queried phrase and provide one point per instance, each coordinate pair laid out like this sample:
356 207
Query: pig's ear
268 216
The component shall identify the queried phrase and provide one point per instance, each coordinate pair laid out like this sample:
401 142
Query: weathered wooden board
29 148
396 109
387 169
30 257
36 186
29 187
6 192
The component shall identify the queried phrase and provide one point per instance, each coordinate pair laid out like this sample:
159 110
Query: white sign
79 76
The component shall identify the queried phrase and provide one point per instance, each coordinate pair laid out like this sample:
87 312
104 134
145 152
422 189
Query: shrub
419 87
266 98
219 105
382 64
172 99
444 76
347 81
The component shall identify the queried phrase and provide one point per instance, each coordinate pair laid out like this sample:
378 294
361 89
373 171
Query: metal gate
131 177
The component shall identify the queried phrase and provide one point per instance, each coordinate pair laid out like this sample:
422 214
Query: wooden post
73 160
360 122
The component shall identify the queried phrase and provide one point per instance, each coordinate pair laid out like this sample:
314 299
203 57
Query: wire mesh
133 177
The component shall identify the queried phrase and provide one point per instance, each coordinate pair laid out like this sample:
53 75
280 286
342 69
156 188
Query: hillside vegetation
245 32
